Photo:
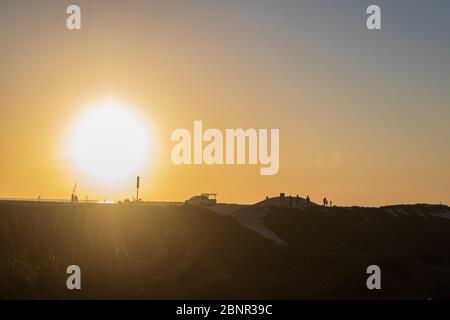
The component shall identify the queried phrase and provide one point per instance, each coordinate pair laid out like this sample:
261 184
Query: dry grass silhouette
160 252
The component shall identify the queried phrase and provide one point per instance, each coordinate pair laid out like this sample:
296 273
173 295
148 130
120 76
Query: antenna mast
138 180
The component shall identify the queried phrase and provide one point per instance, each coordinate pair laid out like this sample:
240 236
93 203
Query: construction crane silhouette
74 198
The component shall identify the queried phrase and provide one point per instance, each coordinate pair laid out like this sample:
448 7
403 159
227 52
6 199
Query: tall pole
137 188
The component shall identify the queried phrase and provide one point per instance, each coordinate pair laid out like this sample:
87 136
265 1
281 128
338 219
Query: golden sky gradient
359 122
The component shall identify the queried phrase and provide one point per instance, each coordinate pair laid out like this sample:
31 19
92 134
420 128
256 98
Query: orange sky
360 125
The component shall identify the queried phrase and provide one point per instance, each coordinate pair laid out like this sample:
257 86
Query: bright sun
109 143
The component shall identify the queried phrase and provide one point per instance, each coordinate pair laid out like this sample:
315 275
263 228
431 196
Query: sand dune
230 251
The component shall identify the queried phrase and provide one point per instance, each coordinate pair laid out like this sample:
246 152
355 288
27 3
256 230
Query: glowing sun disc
109 143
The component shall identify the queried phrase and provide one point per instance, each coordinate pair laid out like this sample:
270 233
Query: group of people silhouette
74 198
290 200
327 203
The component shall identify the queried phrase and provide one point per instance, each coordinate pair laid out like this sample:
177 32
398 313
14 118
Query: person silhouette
325 201
308 200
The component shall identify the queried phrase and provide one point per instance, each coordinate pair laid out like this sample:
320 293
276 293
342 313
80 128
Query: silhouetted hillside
132 251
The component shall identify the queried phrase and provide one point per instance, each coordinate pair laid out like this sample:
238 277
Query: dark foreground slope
186 252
